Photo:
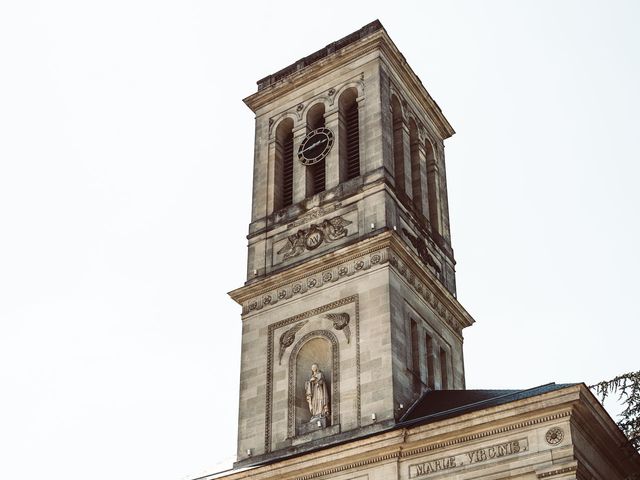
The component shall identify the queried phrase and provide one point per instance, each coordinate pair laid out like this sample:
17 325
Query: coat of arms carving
311 238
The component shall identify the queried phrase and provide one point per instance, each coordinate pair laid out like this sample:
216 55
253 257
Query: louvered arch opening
283 175
349 135
416 181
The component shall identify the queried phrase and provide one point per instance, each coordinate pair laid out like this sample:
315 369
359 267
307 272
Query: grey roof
440 404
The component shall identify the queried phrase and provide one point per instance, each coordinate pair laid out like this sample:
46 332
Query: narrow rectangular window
415 353
444 377
428 343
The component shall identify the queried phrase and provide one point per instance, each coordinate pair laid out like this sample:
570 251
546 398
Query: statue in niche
317 394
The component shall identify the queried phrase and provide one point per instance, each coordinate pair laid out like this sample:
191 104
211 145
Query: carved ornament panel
316 236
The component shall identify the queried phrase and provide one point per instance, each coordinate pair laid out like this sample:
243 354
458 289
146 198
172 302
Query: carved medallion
554 436
314 238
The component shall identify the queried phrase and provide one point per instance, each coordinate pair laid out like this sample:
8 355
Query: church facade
352 347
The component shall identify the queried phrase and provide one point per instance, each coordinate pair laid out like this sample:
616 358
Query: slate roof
436 405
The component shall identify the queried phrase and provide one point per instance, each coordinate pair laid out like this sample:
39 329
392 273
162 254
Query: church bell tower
349 310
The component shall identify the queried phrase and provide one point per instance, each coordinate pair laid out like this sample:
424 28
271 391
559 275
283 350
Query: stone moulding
560 471
426 294
375 43
377 252
317 279
487 433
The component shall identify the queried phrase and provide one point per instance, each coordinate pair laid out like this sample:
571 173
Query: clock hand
314 144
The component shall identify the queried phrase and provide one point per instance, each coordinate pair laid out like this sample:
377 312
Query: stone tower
349 310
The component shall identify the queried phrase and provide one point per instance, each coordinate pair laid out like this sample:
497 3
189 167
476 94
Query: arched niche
319 347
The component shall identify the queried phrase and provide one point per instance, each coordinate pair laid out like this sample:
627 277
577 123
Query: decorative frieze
300 286
486 433
560 471
424 292
353 266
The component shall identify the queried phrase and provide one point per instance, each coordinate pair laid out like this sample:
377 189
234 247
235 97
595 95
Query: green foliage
627 386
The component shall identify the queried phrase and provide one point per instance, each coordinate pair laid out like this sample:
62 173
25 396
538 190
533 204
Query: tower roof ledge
368 39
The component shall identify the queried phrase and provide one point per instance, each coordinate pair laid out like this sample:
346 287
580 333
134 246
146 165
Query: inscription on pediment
471 457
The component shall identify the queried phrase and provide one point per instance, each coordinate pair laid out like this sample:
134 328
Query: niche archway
319 347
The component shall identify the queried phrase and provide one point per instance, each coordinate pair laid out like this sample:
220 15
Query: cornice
376 252
487 433
311 72
309 268
377 41
602 432
425 283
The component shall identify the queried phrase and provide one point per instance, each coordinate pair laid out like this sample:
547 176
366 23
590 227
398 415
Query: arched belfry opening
416 178
349 135
315 174
313 383
433 188
398 143
283 174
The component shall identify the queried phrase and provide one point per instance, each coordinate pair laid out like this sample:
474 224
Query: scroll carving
287 339
311 238
341 322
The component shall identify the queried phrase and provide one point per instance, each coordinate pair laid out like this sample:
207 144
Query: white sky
125 169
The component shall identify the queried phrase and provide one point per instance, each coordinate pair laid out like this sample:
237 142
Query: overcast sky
125 170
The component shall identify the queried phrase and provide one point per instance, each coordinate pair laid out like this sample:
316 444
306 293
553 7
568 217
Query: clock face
315 146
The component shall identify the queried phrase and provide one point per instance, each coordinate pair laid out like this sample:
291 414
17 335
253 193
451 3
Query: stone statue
317 394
